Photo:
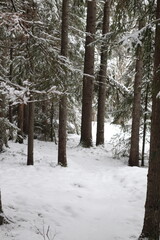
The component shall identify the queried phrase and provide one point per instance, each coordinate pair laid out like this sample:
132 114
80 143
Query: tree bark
152 207
30 157
136 112
102 78
88 78
25 120
145 125
62 157
10 78
1 212
20 122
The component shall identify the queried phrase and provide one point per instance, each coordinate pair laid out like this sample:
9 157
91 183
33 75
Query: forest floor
97 197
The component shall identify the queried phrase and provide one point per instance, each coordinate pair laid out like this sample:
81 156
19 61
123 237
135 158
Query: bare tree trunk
3 138
51 122
20 122
30 159
1 212
52 127
145 125
151 227
136 112
102 78
25 120
88 78
10 78
62 157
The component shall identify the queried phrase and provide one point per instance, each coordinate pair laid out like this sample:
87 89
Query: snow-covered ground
97 197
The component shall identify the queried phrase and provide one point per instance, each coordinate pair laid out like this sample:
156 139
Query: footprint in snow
70 211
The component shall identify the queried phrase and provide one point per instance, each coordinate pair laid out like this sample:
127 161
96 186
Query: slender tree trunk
10 114
145 125
10 78
134 150
102 78
25 120
1 212
51 123
45 121
52 130
20 122
88 78
30 157
151 227
62 157
3 138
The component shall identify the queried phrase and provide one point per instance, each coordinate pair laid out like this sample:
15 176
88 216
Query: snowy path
95 198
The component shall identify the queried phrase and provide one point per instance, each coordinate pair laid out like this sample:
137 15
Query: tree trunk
88 78
1 212
25 120
134 150
62 158
30 160
52 127
20 122
3 138
152 207
10 78
145 124
102 78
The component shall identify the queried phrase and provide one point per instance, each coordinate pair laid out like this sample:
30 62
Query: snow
96 197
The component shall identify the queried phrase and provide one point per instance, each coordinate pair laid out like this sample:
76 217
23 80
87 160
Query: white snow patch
96 197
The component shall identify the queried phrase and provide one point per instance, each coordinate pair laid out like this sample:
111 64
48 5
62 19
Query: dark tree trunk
151 227
134 150
10 78
51 123
30 159
62 157
45 129
10 114
52 129
3 135
20 122
1 212
145 125
25 120
102 78
88 78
